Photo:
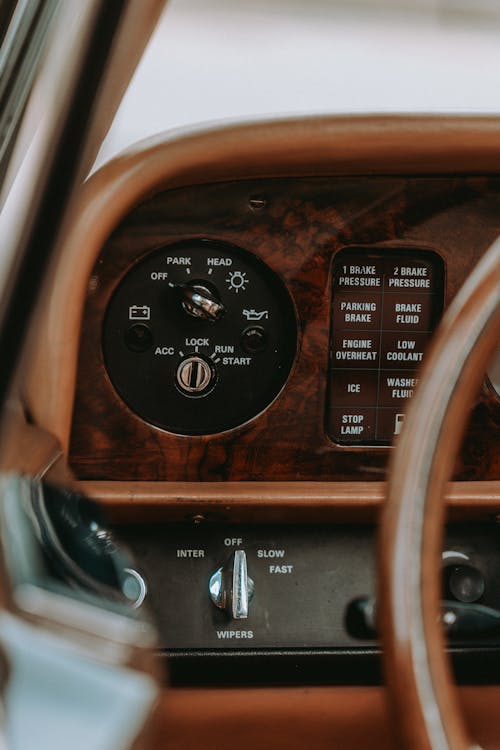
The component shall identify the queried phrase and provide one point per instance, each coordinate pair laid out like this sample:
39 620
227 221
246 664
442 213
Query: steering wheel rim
419 681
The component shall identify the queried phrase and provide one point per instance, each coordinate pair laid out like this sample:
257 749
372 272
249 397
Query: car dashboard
238 322
326 294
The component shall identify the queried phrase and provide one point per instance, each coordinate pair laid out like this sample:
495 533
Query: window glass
218 59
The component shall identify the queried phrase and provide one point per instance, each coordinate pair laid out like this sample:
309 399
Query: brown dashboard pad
347 718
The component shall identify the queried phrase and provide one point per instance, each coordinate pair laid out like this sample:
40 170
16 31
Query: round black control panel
199 337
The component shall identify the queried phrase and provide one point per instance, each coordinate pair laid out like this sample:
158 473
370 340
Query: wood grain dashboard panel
295 225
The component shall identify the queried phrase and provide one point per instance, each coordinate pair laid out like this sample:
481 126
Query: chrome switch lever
200 302
230 587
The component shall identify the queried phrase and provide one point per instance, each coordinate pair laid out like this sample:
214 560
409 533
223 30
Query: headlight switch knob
200 302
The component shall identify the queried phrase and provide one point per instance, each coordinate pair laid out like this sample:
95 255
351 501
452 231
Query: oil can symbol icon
254 315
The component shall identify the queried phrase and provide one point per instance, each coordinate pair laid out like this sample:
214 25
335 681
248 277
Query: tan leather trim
316 718
272 501
25 448
312 146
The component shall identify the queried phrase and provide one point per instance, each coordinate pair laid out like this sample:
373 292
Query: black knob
465 583
254 339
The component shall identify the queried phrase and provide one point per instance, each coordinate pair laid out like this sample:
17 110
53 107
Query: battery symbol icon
139 312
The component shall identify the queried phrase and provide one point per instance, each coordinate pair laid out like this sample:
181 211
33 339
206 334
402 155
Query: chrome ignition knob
200 302
230 587
194 375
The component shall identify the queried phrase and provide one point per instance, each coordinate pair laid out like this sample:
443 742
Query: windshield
217 59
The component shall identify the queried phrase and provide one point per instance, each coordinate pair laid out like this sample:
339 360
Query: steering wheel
418 675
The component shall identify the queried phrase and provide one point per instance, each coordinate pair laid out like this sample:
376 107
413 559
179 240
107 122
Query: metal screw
449 618
257 204
93 284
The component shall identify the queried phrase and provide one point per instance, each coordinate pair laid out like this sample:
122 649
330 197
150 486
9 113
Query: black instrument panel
301 624
385 307
199 337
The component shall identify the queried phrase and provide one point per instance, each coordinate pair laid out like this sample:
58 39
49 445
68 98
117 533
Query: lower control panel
300 577
288 591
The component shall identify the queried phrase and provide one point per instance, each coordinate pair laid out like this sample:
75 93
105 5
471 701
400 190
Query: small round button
194 375
254 339
466 583
138 337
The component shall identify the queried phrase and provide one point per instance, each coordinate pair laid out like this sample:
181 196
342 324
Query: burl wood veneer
296 226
